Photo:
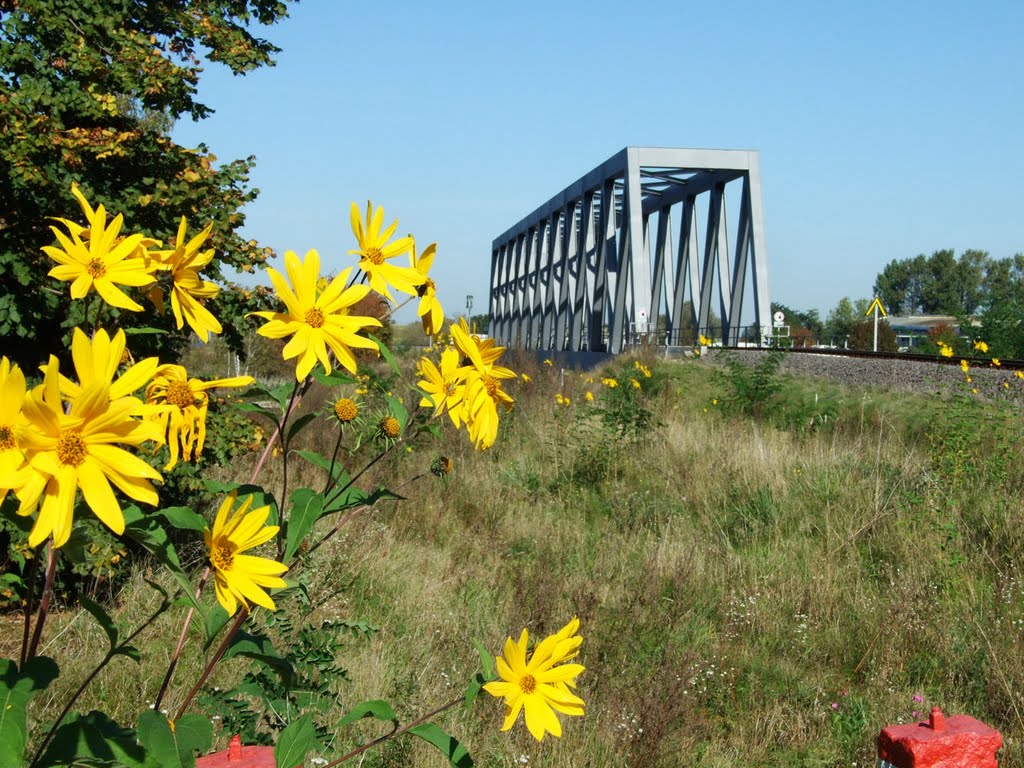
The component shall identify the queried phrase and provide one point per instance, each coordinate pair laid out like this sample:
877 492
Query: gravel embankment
893 374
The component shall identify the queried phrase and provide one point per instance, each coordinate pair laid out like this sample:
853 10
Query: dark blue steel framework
579 272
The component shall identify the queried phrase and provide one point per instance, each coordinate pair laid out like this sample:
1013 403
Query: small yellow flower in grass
610 382
97 258
704 341
562 399
526 378
375 250
1019 374
975 391
316 320
78 450
995 362
242 579
981 346
483 392
1006 385
184 262
184 422
714 401
540 686
635 383
945 350
969 379
965 366
548 362
389 428
589 397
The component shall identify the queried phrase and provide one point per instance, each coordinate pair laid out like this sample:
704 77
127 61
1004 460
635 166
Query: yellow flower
184 422
526 378
374 251
981 346
945 350
1019 374
548 362
541 685
589 397
184 262
714 401
242 578
316 319
635 383
68 451
12 395
965 366
995 362
430 311
443 386
975 391
483 391
100 261
389 428
704 340
610 382
98 360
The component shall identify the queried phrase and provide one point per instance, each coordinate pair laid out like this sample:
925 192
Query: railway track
974 362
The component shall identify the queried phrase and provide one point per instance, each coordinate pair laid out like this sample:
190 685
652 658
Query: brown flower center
346 410
179 393
6 437
314 317
71 448
491 384
96 268
390 427
428 287
528 683
222 555
374 255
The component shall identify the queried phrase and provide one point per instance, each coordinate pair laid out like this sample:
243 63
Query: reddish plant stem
243 614
181 642
44 601
27 629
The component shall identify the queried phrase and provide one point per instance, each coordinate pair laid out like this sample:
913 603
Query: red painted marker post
237 756
958 741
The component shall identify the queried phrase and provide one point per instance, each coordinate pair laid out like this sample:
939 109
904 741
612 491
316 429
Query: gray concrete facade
585 271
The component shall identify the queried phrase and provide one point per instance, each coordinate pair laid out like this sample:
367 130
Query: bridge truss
595 267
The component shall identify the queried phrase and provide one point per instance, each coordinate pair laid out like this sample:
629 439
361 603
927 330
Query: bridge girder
581 271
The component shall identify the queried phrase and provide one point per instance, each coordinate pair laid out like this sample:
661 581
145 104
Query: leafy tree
862 336
940 284
88 92
809 320
843 317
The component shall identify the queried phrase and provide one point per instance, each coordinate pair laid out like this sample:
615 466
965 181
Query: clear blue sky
886 129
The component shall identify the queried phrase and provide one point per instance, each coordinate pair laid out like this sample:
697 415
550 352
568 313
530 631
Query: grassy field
763 578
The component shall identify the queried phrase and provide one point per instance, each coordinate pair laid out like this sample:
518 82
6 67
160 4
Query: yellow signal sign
876 304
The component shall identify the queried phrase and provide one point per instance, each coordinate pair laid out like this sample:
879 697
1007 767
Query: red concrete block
959 741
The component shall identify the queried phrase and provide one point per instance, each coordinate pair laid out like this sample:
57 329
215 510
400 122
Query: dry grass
734 581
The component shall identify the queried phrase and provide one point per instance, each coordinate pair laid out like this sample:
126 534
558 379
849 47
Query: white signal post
876 307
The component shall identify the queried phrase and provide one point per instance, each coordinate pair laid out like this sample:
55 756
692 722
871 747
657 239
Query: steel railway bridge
582 273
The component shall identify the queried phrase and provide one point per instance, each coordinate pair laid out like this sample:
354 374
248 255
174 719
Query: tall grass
765 591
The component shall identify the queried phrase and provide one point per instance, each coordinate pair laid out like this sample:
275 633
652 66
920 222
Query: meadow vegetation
766 572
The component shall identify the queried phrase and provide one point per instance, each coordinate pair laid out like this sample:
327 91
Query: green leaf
307 508
175 747
486 660
148 532
149 331
282 394
102 618
214 622
385 353
183 518
297 425
338 474
332 378
449 746
376 708
294 742
473 688
260 648
398 411
16 691
93 736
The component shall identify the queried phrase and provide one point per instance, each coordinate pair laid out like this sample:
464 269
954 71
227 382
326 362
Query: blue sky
886 129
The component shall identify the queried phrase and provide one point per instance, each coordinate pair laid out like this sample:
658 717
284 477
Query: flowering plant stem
243 614
181 642
44 601
397 731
